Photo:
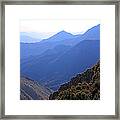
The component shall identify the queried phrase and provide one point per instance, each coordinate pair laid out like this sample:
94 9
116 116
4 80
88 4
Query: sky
46 28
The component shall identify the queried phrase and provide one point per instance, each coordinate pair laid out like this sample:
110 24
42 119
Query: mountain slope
32 90
82 56
55 69
92 34
43 59
84 86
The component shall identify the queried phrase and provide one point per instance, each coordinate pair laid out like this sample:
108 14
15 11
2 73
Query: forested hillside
84 86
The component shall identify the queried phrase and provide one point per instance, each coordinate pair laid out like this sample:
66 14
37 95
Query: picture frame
70 2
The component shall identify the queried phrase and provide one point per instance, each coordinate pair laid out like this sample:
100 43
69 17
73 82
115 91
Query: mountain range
61 38
53 61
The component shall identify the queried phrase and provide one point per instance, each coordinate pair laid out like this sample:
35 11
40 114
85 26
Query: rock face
32 90
84 86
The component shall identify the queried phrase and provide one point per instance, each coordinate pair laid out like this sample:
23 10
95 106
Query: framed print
60 59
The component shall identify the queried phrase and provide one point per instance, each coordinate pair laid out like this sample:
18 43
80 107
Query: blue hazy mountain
62 35
77 59
31 37
61 38
28 39
55 69
55 60
92 34
47 56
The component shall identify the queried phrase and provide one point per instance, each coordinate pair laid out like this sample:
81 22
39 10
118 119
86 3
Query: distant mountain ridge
58 36
61 38
28 39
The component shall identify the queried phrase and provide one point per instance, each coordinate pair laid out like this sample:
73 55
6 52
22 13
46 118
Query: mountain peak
61 36
64 32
